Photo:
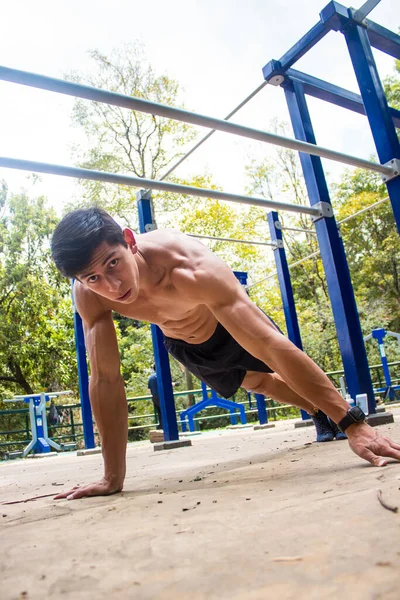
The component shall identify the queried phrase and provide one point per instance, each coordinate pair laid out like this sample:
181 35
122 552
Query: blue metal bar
379 117
164 381
383 39
262 409
365 9
334 94
86 410
333 16
285 285
241 276
333 256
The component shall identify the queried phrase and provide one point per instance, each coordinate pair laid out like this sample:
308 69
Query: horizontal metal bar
304 44
98 95
298 262
383 39
298 229
334 94
221 239
28 165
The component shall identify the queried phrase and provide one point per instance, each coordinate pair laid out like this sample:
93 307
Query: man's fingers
65 494
376 461
391 452
394 445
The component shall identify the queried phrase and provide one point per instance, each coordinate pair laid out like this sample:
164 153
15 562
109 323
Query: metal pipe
221 239
298 229
363 210
154 108
210 133
298 262
28 165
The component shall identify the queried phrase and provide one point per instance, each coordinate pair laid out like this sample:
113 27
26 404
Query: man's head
79 234
90 246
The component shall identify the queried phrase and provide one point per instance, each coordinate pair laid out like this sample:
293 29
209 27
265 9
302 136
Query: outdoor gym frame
360 34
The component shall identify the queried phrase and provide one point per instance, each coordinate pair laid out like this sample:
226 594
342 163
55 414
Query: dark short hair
79 234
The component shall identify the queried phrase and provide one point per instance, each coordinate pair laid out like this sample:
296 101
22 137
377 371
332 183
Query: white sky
215 49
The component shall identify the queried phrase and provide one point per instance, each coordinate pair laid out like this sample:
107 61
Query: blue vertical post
164 382
86 410
375 104
333 256
285 285
241 276
379 335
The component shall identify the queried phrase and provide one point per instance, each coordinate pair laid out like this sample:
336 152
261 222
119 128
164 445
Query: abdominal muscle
194 328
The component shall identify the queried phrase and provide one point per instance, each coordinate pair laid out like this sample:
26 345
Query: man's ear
130 239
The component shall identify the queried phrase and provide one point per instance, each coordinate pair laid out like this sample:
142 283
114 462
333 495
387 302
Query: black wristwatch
354 415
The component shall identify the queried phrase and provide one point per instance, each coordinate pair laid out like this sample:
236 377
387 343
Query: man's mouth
124 297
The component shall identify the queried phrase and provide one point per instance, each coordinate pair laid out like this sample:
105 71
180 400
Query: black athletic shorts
220 361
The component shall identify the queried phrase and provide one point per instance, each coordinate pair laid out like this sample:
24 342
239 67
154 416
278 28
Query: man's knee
259 383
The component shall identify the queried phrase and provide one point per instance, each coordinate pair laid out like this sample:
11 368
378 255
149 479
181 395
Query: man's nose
113 283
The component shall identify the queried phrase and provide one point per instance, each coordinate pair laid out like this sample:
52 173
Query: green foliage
36 334
121 140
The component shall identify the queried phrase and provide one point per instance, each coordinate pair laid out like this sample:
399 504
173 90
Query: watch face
357 414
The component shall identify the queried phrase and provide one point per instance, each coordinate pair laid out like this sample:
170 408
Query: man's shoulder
88 304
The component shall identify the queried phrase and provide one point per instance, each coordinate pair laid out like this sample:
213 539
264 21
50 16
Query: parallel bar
221 239
334 94
154 108
28 165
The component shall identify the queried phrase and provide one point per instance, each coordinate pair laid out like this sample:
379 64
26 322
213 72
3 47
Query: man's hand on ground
370 445
100 488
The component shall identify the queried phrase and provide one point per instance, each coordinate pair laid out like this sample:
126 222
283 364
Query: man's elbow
106 378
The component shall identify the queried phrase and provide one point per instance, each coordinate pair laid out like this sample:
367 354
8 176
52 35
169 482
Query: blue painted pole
285 285
379 335
241 276
376 107
262 409
83 378
333 256
164 381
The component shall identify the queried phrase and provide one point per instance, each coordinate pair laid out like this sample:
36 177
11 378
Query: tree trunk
189 386
18 376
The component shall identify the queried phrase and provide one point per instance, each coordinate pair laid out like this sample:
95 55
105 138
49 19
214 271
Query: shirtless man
174 281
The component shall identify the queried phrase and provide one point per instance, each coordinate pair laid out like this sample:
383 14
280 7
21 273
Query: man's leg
271 384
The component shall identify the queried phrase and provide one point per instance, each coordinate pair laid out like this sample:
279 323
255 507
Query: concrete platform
242 514
171 445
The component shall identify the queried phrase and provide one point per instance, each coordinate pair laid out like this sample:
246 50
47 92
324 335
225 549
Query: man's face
113 273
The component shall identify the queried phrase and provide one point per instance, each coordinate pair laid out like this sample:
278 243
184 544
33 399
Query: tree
122 140
36 329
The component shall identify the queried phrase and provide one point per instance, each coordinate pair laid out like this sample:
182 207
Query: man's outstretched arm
215 285
108 401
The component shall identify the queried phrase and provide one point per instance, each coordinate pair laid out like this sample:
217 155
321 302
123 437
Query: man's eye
92 279
113 262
